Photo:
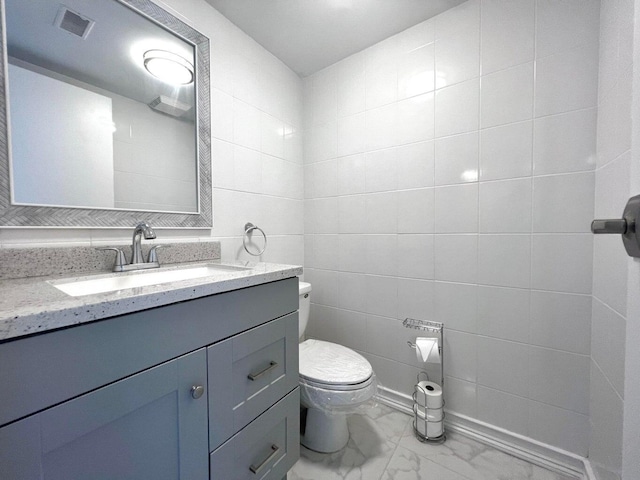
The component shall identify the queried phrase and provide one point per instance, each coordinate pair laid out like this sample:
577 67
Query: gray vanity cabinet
161 394
146 426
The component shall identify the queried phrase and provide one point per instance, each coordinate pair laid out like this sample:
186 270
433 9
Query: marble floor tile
407 465
364 458
475 460
382 446
385 421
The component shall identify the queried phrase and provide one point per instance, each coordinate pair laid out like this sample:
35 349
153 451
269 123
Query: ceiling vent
73 22
170 106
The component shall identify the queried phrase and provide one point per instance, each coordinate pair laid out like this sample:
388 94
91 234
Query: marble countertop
32 305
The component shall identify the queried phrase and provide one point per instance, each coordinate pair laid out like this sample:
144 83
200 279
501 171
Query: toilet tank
304 290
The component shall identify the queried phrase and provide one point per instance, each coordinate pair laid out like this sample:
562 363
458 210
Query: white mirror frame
44 216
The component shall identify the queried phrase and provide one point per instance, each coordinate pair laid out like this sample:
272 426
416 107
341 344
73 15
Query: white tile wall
466 197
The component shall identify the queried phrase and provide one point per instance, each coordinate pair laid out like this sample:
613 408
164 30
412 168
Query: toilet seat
333 367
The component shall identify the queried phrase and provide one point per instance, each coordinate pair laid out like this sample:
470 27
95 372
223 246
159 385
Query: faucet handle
121 259
153 253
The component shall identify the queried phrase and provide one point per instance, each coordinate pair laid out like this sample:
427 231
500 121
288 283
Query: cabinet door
148 426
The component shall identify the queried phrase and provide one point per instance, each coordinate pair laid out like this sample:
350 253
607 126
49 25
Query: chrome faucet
141 229
137 260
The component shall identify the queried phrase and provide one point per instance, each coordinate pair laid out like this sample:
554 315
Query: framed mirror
104 116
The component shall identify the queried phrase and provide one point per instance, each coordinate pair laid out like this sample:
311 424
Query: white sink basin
92 284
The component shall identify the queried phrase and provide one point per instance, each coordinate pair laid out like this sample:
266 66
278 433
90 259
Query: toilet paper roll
429 394
430 429
427 350
432 414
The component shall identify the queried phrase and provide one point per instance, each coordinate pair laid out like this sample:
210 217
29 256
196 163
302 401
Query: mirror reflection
102 111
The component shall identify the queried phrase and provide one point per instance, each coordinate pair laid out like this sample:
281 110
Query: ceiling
308 35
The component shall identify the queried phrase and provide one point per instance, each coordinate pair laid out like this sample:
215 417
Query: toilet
334 380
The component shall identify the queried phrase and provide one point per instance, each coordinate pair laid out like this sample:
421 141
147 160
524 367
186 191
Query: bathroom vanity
192 379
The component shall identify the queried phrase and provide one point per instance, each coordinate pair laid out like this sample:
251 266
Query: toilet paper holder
428 419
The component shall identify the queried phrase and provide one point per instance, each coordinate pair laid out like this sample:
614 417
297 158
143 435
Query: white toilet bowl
333 381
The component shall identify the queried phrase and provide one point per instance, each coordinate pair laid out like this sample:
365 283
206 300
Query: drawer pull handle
255 376
264 463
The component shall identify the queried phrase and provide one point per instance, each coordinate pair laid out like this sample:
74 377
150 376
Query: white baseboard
533 451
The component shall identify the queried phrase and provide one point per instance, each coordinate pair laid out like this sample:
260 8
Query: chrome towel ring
248 231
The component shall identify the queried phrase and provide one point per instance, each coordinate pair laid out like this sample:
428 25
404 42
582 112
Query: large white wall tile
505 206
566 81
324 97
562 25
563 203
221 112
321 143
461 351
352 291
507 33
510 376
562 263
381 73
606 418
415 165
415 119
382 296
325 178
504 313
381 170
351 174
565 143
352 214
456 209
271 135
324 284
381 127
504 260
416 72
557 426
415 256
382 212
565 387
416 211
507 96
456 258
461 396
456 108
351 86
561 321
506 151
351 134
415 300
381 252
456 159
457 57
455 305
246 125
608 344
503 410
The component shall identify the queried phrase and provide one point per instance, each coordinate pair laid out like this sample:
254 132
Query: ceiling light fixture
168 67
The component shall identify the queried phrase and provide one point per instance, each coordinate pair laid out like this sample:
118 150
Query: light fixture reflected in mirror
168 67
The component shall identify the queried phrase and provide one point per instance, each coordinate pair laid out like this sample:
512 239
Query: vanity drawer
266 448
248 373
